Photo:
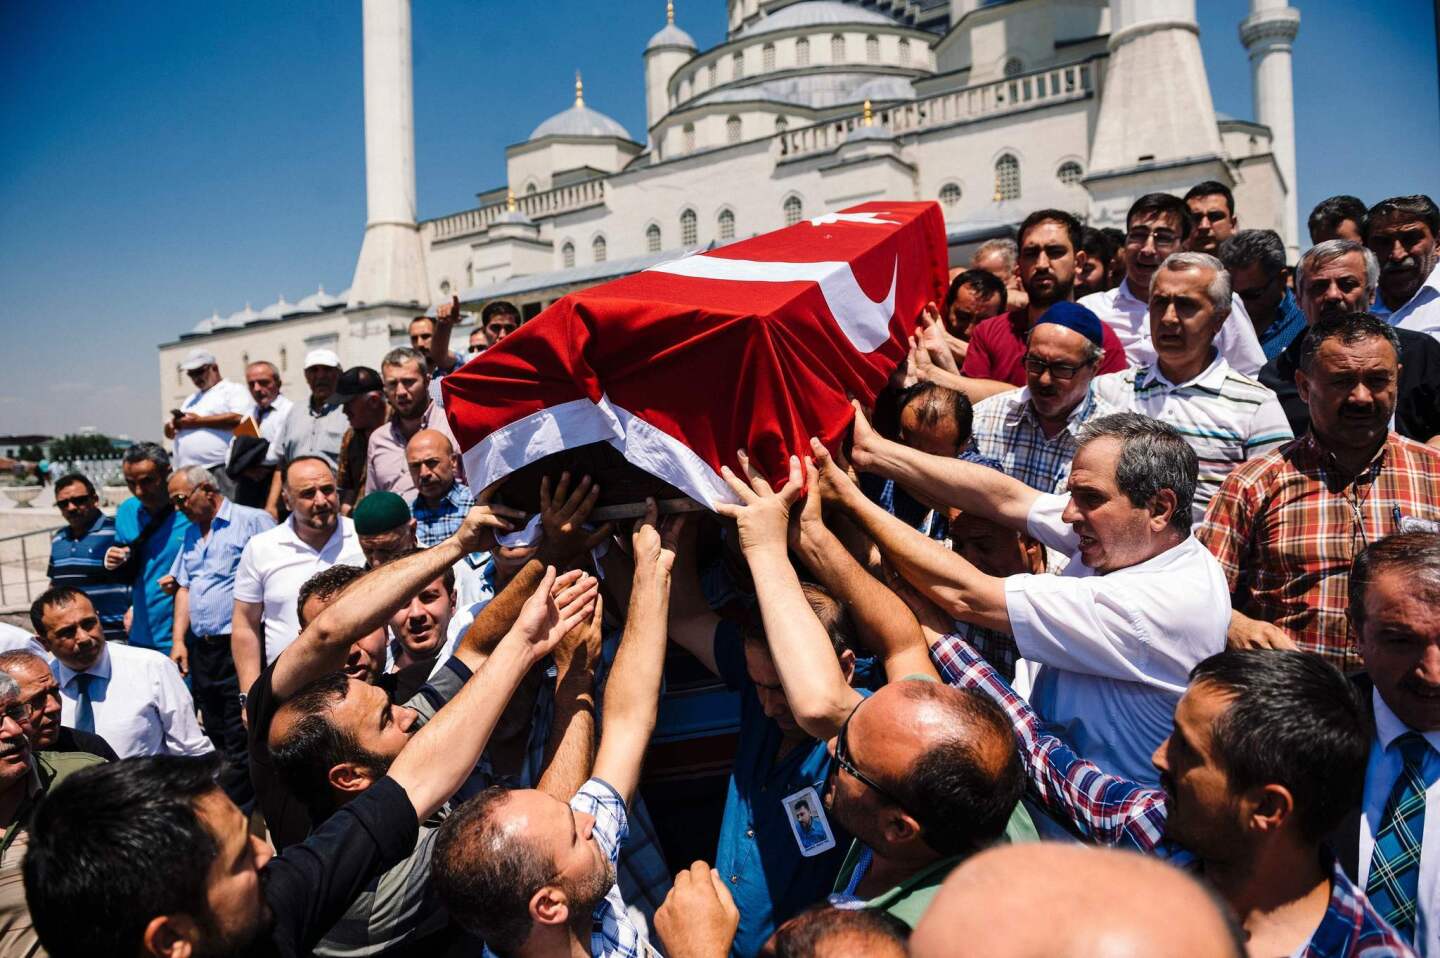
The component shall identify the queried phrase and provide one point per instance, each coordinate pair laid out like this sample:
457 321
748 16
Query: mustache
1397 266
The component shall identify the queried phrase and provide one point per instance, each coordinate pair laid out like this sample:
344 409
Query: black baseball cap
357 381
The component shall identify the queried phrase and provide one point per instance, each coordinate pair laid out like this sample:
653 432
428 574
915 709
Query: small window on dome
726 226
1069 173
837 48
737 68
689 133
652 238
781 124
904 52
567 255
689 228
767 57
714 72
732 130
802 52
792 210
469 274
950 194
872 49
444 287
598 249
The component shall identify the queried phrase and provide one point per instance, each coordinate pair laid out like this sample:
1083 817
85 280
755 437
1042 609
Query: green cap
379 512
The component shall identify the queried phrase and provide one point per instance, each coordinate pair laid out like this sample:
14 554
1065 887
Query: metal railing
24 560
561 199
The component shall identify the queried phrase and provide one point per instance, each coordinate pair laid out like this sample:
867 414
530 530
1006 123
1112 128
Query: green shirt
908 900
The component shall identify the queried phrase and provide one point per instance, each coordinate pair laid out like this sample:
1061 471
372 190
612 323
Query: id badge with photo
808 824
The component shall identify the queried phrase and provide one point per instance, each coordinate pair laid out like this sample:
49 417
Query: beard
586 893
1058 293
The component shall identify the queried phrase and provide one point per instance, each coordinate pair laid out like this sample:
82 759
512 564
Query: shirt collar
1369 473
223 514
1388 726
1022 409
1123 294
299 543
99 519
100 668
1210 377
1432 283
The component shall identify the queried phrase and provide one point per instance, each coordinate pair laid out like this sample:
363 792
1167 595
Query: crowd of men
1113 629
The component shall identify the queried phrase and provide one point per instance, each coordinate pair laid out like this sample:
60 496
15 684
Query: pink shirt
386 469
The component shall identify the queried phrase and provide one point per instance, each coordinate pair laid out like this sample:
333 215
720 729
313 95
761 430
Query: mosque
992 107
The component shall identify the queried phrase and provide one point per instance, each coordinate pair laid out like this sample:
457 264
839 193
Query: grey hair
1219 289
9 688
1254 246
1153 456
274 370
198 475
20 658
401 355
147 452
1323 254
1007 247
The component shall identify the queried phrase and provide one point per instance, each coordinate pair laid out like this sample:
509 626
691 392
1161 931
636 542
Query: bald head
1099 904
827 932
432 463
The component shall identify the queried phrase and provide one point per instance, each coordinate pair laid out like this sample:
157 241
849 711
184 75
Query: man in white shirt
276 563
1401 232
133 698
271 407
1394 591
1157 225
1225 416
1115 634
203 425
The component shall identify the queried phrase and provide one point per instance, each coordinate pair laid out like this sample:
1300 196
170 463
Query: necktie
1394 880
84 708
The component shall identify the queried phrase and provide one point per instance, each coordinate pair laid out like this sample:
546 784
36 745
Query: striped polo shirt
79 563
1226 417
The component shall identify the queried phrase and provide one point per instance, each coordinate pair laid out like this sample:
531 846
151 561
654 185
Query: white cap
198 359
322 357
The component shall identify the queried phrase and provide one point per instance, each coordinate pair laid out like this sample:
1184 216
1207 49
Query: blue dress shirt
207 566
150 627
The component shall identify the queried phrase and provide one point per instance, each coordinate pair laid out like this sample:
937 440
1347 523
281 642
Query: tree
30 453
92 446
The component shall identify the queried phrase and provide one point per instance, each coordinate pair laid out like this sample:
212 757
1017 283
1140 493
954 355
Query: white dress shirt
1130 319
276 563
1380 775
272 426
210 446
1115 650
1421 313
141 707
14 639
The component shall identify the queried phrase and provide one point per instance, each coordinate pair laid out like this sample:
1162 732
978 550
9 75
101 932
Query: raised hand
582 643
831 479
449 313
865 442
477 530
563 515
653 543
699 917
763 515
558 604
808 524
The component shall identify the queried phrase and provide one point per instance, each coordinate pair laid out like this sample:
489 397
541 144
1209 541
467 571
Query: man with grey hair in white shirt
1139 603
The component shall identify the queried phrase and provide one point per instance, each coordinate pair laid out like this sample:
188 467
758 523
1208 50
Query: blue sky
163 160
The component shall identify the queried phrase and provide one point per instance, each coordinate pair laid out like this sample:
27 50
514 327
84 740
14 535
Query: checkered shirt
1007 430
1109 810
434 524
1285 531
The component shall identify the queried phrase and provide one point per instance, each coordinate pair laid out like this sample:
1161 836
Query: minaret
391 268
1157 127
667 51
1268 34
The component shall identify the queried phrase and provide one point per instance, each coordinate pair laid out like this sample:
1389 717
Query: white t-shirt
209 447
276 563
1130 319
1115 650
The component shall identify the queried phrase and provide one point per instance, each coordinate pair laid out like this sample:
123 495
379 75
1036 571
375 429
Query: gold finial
579 90
869 114
670 12
509 201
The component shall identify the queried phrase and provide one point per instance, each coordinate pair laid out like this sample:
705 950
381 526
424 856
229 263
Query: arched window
792 211
837 48
732 130
284 360
1007 178
469 274
738 65
529 189
726 226
598 249
872 49
567 255
781 124
1013 67
444 287
802 52
1069 173
689 134
689 228
767 57
950 194
714 73
245 358
652 238
904 52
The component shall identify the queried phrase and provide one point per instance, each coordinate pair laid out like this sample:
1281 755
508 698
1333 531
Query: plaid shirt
1007 430
1109 810
1285 531
434 524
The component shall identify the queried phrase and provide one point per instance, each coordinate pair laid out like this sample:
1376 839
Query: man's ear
1080 260
550 906
1302 383
1269 808
1162 507
351 778
847 664
899 826
170 936
1034 554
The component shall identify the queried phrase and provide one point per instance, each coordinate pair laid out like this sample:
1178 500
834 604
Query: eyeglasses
181 498
18 712
1036 366
74 502
843 759
37 702
1163 239
477 348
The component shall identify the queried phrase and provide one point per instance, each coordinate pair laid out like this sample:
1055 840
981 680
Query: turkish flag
758 345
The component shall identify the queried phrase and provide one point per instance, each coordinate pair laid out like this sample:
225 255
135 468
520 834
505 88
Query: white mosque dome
238 319
317 302
281 307
208 325
815 13
580 120
671 36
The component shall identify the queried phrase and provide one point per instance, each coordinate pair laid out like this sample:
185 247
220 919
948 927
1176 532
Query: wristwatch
242 701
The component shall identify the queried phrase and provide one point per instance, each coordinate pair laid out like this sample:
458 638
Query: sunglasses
844 759
74 502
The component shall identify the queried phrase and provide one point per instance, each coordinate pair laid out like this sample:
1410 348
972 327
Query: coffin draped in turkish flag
756 346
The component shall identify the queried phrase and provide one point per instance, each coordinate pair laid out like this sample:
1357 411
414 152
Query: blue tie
84 708
1394 880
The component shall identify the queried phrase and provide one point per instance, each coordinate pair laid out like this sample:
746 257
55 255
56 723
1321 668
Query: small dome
815 13
237 319
277 309
580 120
317 302
208 325
671 36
